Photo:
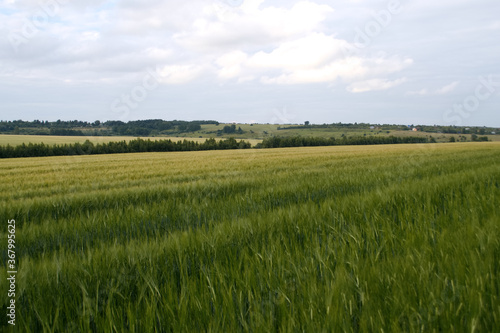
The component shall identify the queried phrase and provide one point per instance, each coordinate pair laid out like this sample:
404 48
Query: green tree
193 127
229 129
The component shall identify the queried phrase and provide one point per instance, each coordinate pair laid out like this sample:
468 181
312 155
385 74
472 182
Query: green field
392 238
252 133
262 131
14 140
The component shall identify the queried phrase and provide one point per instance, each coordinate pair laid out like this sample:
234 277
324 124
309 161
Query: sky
252 61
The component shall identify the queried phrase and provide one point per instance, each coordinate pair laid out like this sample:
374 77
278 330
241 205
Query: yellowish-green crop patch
14 140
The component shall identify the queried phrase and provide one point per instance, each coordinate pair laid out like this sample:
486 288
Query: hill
214 129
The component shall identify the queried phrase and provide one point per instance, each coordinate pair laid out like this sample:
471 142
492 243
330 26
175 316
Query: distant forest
154 127
120 147
298 141
109 128
423 128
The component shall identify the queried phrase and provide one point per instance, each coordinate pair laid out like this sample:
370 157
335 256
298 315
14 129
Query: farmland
348 238
262 131
47 132
15 140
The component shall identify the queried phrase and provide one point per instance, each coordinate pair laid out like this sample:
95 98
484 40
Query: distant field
261 131
442 137
393 238
15 140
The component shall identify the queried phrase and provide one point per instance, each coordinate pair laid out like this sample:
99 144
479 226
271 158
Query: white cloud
89 36
308 52
231 64
180 74
448 88
272 45
109 44
222 27
373 85
441 91
316 58
421 92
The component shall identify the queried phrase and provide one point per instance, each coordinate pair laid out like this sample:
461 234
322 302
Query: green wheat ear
395 238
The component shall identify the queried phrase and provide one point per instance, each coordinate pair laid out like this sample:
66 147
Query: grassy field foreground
404 238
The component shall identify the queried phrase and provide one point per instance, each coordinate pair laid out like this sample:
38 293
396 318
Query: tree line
146 127
120 147
298 141
156 126
392 127
140 145
152 127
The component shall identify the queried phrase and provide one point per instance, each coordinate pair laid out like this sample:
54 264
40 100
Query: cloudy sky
266 61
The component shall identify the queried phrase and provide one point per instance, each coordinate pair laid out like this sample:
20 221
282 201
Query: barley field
392 238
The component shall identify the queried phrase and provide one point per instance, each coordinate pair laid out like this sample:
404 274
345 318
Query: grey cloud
92 51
